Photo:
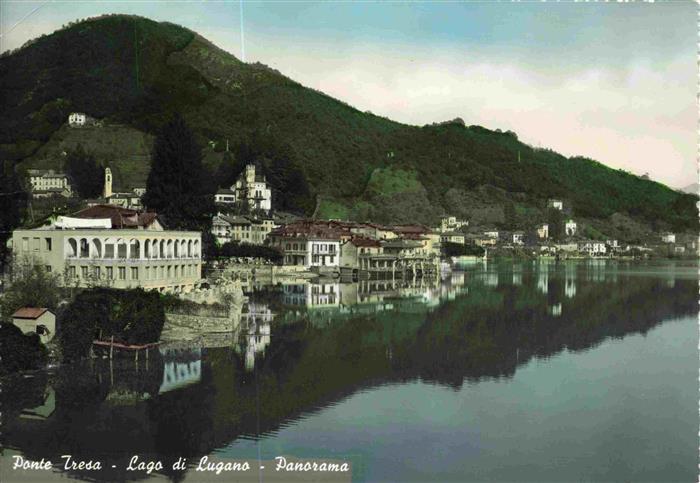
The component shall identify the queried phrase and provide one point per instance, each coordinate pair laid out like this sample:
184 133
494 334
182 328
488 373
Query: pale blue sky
612 81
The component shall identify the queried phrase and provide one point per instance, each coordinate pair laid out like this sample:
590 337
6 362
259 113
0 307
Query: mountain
134 73
692 189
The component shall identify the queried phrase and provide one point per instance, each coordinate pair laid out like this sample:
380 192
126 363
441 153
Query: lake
498 371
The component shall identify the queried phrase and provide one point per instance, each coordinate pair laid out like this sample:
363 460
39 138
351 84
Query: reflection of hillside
299 365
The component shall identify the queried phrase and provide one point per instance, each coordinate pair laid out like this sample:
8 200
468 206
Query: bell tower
107 192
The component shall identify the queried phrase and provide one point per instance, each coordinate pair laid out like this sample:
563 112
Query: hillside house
543 231
518 238
453 237
491 233
251 188
80 119
451 223
47 182
225 196
555 204
241 229
358 252
668 237
570 227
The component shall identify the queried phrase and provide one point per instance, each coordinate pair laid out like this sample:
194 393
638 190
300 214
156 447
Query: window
72 272
48 268
148 273
109 250
134 273
169 270
47 244
84 272
122 273
121 250
110 273
25 244
98 273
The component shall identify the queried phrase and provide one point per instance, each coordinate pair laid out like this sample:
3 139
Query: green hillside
133 71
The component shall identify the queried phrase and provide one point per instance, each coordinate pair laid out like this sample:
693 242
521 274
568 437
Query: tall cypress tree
177 185
13 201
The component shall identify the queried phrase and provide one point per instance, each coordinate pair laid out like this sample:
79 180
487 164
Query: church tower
108 184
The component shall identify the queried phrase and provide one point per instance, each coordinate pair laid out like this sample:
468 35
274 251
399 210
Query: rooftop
120 217
29 313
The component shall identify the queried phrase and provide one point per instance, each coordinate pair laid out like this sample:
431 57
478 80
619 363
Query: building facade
91 251
46 183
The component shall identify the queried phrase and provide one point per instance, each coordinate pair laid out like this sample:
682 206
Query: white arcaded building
110 246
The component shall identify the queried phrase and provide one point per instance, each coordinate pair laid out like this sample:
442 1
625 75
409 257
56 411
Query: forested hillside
135 72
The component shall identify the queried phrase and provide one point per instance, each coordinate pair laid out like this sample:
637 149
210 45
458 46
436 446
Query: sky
616 82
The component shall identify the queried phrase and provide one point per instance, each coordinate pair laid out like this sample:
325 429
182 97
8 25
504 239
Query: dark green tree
555 219
178 186
86 175
13 201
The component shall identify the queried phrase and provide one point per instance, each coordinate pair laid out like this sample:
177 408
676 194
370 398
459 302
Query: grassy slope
137 71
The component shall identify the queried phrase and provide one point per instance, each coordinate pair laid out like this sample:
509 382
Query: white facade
556 204
309 252
77 119
570 228
121 258
593 248
543 231
252 188
668 238
451 223
46 181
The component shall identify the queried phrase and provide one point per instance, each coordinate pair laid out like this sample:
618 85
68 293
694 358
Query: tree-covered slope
134 71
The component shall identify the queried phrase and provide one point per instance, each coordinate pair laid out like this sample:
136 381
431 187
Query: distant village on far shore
112 238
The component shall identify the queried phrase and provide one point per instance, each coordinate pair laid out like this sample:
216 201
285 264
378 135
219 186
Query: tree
177 185
87 176
555 219
30 286
13 200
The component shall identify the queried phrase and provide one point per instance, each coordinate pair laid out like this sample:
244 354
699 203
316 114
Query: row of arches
133 249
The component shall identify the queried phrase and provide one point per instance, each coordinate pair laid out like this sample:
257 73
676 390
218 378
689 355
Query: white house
48 182
76 119
570 228
593 248
308 244
451 223
543 231
556 204
668 237
38 320
518 237
225 195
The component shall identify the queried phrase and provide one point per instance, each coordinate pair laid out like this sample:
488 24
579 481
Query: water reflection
302 347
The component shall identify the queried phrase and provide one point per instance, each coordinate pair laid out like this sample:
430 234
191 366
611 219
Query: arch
169 249
72 247
183 248
121 248
195 248
189 249
176 248
161 249
97 248
84 248
134 249
147 249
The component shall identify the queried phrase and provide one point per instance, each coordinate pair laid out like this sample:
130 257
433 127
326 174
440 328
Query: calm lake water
525 371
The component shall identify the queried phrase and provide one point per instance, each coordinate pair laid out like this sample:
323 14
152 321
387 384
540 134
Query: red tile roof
121 217
29 313
365 242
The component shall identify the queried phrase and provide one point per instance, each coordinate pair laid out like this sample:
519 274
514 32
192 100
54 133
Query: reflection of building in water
312 294
555 310
543 279
182 367
256 335
491 279
570 280
517 275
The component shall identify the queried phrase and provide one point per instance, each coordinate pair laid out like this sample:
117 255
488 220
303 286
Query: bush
456 250
247 250
19 352
131 316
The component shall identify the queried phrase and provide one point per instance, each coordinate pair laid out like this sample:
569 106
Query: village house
225 195
570 227
543 231
518 238
429 240
47 182
451 223
241 229
555 204
358 252
41 321
252 190
80 119
668 237
309 244
107 245
592 248
372 230
491 233
453 237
